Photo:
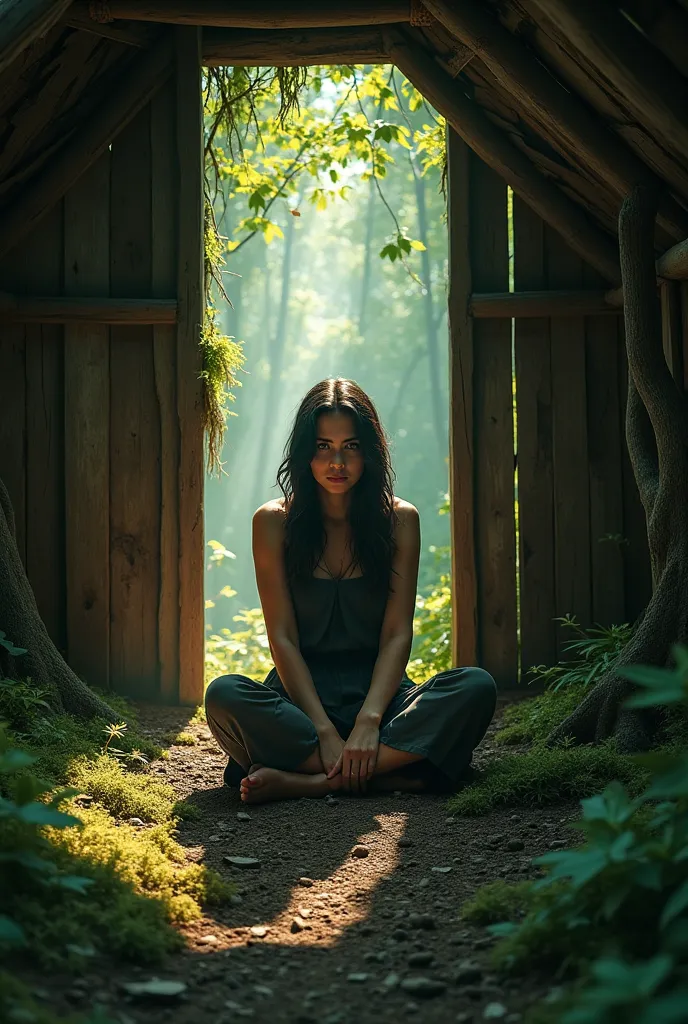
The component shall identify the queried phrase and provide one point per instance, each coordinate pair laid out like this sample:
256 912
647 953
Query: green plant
20 702
244 651
532 720
616 907
588 657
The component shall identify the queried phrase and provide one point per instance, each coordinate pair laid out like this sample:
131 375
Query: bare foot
264 784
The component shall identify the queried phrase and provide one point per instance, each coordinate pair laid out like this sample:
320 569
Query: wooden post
461 440
22 21
191 298
493 146
87 431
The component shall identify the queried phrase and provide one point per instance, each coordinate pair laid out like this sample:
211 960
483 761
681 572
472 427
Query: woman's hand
358 758
331 746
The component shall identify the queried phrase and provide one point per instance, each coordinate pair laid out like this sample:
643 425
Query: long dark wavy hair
372 515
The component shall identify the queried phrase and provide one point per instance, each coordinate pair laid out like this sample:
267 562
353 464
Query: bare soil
317 935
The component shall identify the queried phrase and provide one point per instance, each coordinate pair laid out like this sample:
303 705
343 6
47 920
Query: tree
27 650
657 437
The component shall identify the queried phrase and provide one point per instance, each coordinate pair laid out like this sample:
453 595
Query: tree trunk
22 624
657 436
367 258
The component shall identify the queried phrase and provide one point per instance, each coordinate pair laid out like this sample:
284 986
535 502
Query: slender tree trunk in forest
393 420
23 627
657 436
436 399
276 348
367 259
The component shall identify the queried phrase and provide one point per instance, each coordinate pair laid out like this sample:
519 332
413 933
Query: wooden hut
570 103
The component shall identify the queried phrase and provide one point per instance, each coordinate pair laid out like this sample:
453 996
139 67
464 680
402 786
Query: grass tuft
531 721
498 901
180 739
123 793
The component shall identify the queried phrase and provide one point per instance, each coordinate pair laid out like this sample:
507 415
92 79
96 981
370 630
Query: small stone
424 921
427 988
494 1011
391 981
512 1018
358 977
515 844
238 1009
305 882
515 817
405 842
243 816
399 934
558 844
215 839
207 940
162 990
441 871
397 793
298 924
449 821
136 821
422 959
423 883
242 862
264 990
467 973
360 851
259 931
83 800
463 1018
305 912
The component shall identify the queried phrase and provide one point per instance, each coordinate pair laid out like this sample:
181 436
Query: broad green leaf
10 932
39 814
677 902
13 760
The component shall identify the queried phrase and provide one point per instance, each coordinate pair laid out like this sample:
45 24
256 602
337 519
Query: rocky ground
346 909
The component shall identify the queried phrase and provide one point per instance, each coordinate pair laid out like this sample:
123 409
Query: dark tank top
338 615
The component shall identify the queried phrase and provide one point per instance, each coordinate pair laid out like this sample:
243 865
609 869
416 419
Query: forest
551 886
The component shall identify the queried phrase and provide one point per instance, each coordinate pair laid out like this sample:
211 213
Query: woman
336 564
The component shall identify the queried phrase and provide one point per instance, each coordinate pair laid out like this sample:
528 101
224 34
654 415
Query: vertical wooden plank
134 427
87 399
684 330
191 299
164 285
535 466
461 471
636 555
605 440
13 424
494 434
45 505
570 443
672 328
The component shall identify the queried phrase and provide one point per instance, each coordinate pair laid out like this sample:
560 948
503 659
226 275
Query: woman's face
338 461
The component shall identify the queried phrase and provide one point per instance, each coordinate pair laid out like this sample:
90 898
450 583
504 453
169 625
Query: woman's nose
337 459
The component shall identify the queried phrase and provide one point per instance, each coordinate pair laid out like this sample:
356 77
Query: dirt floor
319 935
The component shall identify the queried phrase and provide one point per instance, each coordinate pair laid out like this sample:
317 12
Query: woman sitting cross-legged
336 564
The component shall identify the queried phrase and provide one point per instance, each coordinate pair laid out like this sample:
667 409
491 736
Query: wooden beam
265 14
650 86
541 303
494 147
146 76
285 48
140 35
561 113
32 309
674 263
23 21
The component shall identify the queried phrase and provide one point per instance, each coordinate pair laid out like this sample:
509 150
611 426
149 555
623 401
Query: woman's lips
337 479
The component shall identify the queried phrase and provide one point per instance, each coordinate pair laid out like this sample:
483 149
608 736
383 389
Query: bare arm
280 620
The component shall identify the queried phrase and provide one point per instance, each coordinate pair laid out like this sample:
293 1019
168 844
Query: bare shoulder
407 514
268 520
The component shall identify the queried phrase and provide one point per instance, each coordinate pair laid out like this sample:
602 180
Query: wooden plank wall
101 443
582 547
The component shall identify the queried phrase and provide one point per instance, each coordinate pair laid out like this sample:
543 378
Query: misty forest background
330 270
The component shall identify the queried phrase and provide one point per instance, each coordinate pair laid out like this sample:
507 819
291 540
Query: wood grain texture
605 438
134 427
164 283
87 430
541 303
45 504
190 295
672 328
268 14
22 21
292 47
461 435
570 444
494 436
535 455
64 310
13 426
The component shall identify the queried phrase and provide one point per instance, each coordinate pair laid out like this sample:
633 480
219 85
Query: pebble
242 862
259 931
207 940
424 921
360 851
515 817
235 900
136 821
468 972
515 844
306 882
391 981
423 883
494 1011
214 839
264 990
238 1009
155 989
427 988
422 959
463 1018
405 842
449 821
305 912
358 977
558 844
441 871
298 924
243 816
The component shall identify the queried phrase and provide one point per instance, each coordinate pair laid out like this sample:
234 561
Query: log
650 86
494 147
560 112
140 35
148 73
541 303
23 21
674 263
266 14
284 48
30 309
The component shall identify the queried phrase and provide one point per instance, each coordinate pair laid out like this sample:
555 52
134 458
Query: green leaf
578 865
613 805
677 902
10 932
415 244
13 760
75 883
39 814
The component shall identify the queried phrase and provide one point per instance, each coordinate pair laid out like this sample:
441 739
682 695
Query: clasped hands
354 759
